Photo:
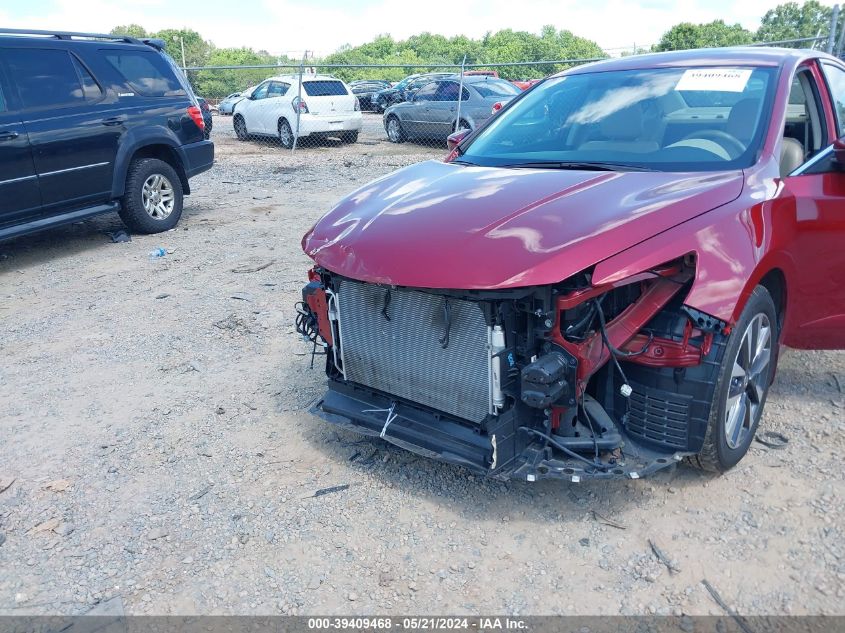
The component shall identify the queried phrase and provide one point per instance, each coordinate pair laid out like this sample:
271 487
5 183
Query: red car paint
437 225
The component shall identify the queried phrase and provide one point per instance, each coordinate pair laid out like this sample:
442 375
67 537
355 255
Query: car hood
441 225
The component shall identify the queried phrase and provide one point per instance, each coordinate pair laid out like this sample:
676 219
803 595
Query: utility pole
834 20
182 42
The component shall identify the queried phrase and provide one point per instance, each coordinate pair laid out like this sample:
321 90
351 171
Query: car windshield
495 88
668 119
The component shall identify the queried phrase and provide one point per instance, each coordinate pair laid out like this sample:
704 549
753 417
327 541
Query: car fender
735 246
137 139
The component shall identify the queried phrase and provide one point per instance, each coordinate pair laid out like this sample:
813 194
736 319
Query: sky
291 27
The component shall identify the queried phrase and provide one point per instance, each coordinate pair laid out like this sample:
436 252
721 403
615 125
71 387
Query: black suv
94 123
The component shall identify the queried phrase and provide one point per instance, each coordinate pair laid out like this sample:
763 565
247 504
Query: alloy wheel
157 196
749 381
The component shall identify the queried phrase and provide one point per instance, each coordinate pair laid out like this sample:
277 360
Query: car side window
836 82
3 106
45 78
427 92
448 91
804 121
277 89
261 92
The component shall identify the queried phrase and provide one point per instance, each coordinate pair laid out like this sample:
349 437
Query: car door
251 109
815 194
73 135
443 109
271 107
20 199
414 112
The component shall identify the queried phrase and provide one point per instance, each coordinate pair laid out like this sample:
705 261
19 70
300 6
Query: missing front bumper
501 453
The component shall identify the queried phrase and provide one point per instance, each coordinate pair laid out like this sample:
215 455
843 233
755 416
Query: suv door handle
8 136
115 120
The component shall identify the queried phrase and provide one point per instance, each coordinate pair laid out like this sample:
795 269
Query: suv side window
147 72
836 81
45 78
90 87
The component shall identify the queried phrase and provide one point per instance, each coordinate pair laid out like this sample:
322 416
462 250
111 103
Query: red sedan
598 281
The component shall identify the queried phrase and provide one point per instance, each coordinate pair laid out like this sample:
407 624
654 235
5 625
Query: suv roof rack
71 35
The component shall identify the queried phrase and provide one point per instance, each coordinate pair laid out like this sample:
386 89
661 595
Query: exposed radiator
402 353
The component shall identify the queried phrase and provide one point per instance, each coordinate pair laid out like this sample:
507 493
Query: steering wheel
732 144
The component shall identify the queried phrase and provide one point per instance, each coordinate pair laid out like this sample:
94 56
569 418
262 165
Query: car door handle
8 136
115 120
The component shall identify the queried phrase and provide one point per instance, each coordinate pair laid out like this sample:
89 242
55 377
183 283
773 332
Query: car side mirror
839 150
454 139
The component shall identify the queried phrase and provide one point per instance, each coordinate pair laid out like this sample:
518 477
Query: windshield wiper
576 166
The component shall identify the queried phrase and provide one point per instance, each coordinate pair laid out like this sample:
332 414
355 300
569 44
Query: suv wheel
152 201
743 384
240 128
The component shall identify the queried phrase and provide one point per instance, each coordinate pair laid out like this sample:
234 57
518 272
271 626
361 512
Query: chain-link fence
312 105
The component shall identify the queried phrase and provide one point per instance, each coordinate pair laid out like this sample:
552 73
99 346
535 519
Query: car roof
734 56
306 77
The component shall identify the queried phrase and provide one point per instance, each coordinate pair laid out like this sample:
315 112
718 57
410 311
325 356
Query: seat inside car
791 155
622 131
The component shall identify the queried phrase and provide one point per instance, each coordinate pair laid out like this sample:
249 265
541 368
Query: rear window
324 88
495 88
146 72
45 78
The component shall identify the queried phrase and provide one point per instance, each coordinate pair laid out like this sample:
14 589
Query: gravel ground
156 450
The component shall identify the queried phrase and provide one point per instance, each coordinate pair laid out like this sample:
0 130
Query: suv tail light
497 106
196 116
300 104
357 105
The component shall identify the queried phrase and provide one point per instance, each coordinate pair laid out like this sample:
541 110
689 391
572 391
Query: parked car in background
404 90
365 89
481 73
597 283
432 113
526 84
326 108
227 105
91 124
206 117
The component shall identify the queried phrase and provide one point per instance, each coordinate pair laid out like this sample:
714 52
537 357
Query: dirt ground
153 426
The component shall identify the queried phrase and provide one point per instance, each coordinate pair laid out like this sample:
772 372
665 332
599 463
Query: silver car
227 105
432 113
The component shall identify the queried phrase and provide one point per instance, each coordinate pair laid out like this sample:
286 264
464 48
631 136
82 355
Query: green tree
132 30
793 21
713 34
197 50
215 84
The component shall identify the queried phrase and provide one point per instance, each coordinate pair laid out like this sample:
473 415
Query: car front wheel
240 128
152 200
394 130
743 384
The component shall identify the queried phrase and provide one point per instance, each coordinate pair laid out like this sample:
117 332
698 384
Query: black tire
720 453
397 134
349 137
240 127
285 134
134 213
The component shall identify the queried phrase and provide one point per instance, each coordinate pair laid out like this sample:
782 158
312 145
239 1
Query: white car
326 107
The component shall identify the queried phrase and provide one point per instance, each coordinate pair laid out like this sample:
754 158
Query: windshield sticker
714 79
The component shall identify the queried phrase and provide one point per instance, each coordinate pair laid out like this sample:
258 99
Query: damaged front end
570 381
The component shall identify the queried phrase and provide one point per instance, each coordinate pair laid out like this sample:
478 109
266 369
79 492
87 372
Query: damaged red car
596 283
